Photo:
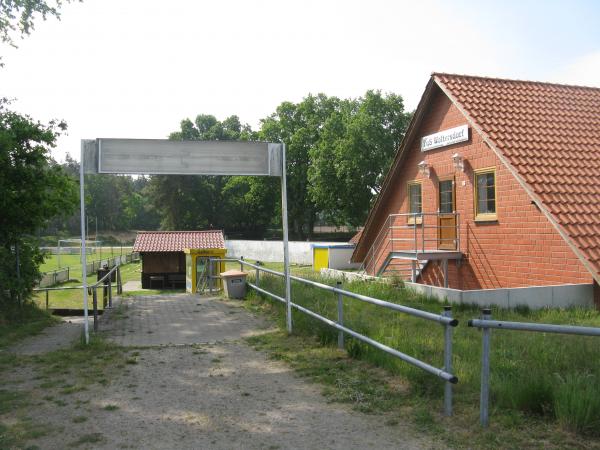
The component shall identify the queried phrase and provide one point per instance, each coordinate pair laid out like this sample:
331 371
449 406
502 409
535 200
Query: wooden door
446 218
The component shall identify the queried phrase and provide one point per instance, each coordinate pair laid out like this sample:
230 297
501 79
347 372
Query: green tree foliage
112 203
189 202
300 126
338 151
17 16
34 189
337 154
356 145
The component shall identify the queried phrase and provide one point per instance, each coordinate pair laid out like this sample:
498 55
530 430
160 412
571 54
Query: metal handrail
445 319
486 324
418 237
376 243
404 309
93 289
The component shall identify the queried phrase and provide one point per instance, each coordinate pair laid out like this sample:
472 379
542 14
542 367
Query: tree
188 202
355 149
17 16
34 189
299 126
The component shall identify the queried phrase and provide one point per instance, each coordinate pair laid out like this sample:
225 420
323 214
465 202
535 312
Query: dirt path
221 394
59 336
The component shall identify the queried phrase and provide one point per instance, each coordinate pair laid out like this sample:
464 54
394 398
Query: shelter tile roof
177 241
550 135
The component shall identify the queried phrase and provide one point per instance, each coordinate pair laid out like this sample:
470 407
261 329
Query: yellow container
196 268
320 258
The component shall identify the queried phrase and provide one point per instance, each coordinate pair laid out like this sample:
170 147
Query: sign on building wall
444 138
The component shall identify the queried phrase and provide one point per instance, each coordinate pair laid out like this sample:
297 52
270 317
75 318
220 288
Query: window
485 194
446 193
414 201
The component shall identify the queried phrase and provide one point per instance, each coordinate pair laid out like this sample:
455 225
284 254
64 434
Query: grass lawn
51 262
73 298
545 389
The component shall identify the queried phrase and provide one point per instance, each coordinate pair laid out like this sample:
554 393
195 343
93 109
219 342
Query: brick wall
520 249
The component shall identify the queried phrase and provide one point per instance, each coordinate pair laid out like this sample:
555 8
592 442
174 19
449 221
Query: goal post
93 247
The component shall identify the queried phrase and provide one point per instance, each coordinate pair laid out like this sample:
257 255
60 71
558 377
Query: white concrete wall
339 258
350 276
536 297
272 251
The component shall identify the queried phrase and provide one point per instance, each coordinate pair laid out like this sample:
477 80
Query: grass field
549 384
51 262
73 298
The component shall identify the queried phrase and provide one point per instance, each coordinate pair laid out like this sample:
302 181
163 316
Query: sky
136 68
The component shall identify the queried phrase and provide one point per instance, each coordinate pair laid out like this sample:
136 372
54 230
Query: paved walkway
129 286
177 319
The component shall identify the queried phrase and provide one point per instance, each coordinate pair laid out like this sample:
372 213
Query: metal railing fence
414 232
64 274
110 279
445 319
54 277
485 323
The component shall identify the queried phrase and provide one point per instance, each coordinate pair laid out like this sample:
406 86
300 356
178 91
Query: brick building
495 185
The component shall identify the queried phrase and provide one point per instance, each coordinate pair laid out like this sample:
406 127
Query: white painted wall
339 258
272 251
535 297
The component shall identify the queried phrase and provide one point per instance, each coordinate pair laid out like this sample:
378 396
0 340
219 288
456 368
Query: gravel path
220 394
59 336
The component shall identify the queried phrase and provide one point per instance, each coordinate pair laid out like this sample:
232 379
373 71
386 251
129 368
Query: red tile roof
176 241
549 135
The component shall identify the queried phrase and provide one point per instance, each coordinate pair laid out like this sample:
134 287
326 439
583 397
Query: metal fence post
447 361
209 275
486 314
340 315
415 244
257 273
95 306
241 263
47 299
110 291
119 281
422 232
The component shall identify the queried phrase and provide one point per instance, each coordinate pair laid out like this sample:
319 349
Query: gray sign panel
166 157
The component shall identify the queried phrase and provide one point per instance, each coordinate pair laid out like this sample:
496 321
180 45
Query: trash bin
234 283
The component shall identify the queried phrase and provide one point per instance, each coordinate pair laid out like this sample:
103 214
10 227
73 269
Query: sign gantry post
167 157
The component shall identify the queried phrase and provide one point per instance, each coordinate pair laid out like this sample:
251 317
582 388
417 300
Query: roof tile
550 133
177 241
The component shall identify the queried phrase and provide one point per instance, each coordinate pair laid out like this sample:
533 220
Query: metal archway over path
166 157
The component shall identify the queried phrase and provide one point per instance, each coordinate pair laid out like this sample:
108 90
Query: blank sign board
167 157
